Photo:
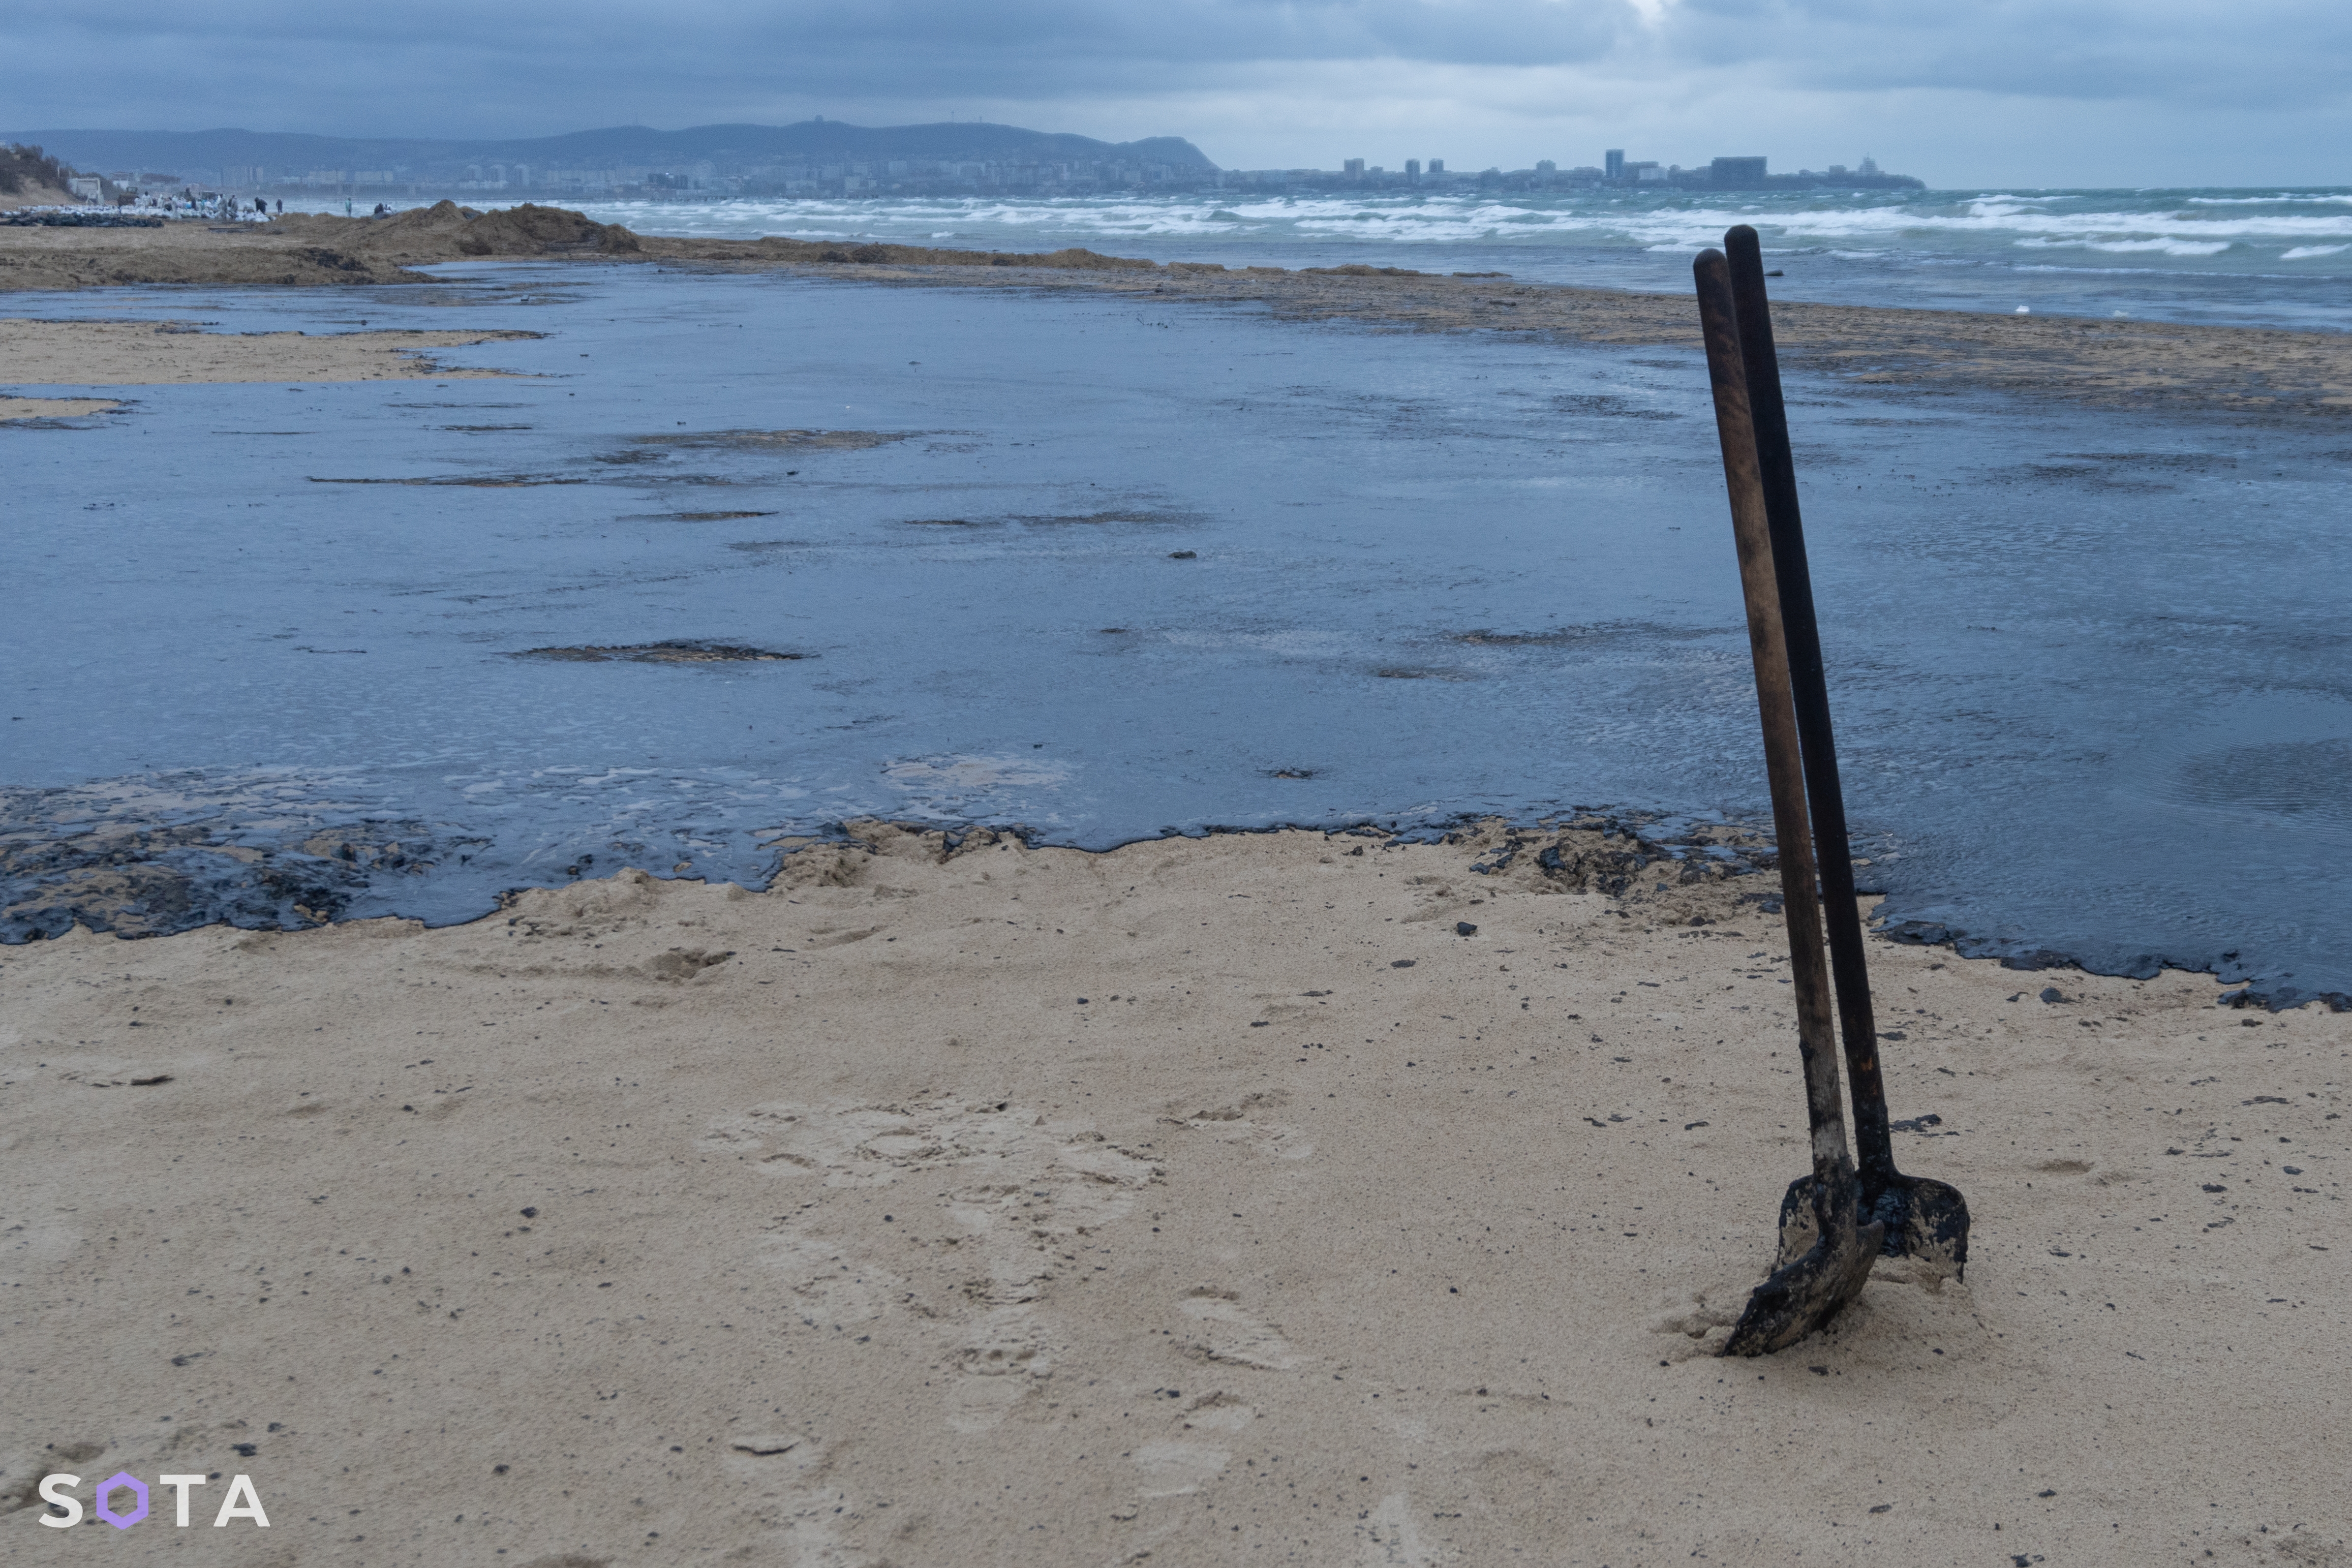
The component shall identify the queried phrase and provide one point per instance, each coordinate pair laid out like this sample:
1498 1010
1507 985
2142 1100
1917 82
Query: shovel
1808 1290
1924 1220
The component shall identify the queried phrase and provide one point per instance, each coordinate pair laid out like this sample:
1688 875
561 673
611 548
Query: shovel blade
1918 1218
1809 1289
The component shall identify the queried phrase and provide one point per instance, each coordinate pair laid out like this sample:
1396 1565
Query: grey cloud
543 66
537 67
2271 54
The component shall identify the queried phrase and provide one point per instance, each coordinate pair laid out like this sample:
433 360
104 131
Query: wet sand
1205 1201
2234 370
163 353
180 252
26 408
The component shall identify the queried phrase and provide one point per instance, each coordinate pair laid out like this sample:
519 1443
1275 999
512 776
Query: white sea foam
2247 255
2124 246
1927 229
2282 198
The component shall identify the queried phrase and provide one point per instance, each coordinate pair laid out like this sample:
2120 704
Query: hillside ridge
819 139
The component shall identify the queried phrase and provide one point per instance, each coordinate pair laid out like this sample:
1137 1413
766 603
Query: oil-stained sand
1208 1199
677 653
779 440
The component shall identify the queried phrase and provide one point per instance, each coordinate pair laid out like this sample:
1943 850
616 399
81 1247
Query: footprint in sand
831 1285
1016 1200
1390 1537
999 1359
1228 1335
1218 1412
1244 1122
785 1494
1173 1467
1698 1322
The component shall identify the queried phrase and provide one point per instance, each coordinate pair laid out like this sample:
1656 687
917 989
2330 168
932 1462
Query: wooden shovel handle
1767 644
1808 684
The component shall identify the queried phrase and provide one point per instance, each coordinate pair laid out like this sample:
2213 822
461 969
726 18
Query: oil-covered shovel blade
1824 1261
1919 1217
1812 1288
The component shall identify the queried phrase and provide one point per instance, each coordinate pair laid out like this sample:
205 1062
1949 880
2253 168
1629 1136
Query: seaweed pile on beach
76 218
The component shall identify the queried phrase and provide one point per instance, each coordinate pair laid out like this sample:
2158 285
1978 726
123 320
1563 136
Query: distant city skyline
1976 93
822 157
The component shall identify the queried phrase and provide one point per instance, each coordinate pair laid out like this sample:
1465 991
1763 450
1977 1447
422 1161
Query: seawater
1136 568
2268 257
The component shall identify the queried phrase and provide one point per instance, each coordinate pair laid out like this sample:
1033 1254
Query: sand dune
1274 1197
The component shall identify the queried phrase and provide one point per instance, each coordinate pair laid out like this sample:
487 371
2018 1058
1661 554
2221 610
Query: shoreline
2261 373
154 882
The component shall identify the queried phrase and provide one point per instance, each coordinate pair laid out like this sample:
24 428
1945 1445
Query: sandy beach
1256 1199
2148 364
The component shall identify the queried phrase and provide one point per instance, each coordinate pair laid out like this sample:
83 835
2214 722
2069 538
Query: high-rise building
1546 166
1612 163
1437 166
1353 168
1412 170
1737 173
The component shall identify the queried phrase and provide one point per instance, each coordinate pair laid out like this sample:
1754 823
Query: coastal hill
282 154
30 178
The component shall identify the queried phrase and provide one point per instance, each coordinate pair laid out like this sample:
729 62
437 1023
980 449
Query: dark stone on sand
673 653
780 440
1464 928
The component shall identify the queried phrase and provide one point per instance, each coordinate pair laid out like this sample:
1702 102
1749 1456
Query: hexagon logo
107 1488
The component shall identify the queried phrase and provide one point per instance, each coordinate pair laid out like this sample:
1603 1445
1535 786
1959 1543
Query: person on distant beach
281 206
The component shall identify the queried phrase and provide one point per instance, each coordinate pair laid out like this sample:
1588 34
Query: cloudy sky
1961 92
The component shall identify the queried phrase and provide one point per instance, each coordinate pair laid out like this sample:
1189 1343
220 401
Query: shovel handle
1783 762
1874 1145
